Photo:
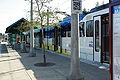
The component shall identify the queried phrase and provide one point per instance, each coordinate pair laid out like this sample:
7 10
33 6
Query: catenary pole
31 32
47 26
75 72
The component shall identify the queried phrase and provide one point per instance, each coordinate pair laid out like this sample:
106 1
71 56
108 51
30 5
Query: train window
89 28
69 33
49 34
81 28
97 35
52 34
44 32
63 31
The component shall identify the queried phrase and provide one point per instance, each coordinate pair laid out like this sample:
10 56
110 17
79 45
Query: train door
104 38
56 39
40 38
97 39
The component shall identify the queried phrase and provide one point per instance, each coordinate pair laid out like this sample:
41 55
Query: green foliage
85 11
44 15
47 16
24 26
97 4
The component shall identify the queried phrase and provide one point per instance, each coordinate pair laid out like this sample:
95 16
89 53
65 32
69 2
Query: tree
41 15
24 26
97 4
85 11
44 16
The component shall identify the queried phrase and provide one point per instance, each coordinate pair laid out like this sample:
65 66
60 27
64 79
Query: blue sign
116 42
114 0
116 9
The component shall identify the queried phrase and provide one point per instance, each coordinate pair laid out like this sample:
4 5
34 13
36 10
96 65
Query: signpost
115 40
75 73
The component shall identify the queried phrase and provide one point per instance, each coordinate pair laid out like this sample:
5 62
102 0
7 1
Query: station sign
116 42
114 0
76 6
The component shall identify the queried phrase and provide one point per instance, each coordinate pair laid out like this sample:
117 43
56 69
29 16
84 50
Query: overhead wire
66 1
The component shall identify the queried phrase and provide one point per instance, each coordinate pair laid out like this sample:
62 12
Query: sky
13 10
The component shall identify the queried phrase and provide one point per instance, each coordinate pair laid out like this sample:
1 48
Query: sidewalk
18 66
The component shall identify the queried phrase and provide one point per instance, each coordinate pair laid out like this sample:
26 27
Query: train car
94 35
94 40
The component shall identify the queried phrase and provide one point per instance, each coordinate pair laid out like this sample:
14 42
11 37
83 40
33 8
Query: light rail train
94 35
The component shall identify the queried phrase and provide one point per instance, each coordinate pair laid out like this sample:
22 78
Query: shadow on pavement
60 70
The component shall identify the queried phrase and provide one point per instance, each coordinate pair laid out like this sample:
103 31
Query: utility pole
32 54
47 26
75 73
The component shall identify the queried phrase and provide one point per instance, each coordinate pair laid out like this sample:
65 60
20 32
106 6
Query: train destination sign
76 6
116 42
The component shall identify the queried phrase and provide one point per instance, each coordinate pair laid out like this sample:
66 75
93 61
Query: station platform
19 66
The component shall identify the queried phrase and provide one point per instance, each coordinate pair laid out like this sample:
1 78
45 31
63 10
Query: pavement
19 66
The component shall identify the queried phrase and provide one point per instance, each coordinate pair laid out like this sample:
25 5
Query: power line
66 1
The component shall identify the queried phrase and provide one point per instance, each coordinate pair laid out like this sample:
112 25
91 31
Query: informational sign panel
76 6
116 42
115 0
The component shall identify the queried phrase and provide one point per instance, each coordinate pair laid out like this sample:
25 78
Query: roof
67 20
14 27
99 8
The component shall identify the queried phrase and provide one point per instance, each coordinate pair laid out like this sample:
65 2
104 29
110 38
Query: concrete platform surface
19 66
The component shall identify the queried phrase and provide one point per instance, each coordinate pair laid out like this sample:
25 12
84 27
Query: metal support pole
75 73
60 40
32 54
47 26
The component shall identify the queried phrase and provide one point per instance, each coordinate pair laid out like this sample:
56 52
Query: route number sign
76 6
